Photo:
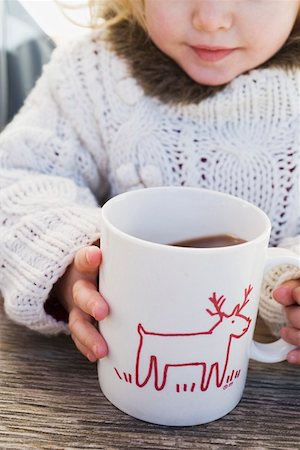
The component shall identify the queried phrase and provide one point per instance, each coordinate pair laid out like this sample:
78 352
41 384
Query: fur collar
160 77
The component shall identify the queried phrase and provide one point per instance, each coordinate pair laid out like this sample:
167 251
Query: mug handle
275 351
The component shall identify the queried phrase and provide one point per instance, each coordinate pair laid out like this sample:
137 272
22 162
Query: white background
52 20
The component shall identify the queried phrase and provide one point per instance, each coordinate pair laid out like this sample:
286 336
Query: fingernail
292 358
97 351
282 293
91 253
97 312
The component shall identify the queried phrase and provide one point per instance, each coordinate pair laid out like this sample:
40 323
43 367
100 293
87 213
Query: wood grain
50 399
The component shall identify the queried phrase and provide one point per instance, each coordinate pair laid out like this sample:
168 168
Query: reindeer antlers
217 303
247 292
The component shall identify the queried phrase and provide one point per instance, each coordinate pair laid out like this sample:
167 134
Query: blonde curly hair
115 11
105 13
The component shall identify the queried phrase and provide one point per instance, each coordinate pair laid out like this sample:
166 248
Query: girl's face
214 41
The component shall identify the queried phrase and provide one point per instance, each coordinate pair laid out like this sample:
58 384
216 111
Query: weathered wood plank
50 399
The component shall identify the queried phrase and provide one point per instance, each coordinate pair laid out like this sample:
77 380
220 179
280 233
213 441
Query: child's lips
212 54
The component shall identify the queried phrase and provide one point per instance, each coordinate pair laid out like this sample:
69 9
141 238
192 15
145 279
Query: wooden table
50 399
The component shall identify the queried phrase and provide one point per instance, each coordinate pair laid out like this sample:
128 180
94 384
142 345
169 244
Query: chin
212 80
209 77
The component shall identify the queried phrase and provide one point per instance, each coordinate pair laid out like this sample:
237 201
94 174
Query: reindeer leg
160 377
208 374
143 370
202 383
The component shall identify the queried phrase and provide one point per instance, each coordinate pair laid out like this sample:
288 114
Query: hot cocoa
218 240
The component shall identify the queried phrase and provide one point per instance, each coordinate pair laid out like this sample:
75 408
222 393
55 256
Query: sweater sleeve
51 183
271 311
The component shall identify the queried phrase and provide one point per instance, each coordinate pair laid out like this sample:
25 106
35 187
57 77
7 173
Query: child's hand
288 295
78 292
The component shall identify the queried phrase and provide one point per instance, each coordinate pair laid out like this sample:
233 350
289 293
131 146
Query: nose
212 15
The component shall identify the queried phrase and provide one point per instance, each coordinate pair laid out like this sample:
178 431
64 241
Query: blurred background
29 31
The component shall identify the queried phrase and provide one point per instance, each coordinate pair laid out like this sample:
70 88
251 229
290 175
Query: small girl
200 93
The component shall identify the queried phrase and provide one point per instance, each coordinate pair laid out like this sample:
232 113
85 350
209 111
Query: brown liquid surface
218 240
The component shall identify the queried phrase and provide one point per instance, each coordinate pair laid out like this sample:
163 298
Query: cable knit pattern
87 131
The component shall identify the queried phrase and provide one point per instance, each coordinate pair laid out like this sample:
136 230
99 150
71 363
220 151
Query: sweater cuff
36 254
272 312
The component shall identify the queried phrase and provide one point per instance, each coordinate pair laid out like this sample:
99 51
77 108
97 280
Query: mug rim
167 247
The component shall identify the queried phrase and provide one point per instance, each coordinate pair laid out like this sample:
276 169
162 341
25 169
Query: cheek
266 39
162 35
162 24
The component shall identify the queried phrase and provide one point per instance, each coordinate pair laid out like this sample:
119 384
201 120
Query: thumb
284 293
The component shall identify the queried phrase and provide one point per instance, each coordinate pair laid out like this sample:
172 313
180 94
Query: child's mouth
212 54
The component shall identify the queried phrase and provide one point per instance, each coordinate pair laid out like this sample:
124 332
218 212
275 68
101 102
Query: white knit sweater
87 131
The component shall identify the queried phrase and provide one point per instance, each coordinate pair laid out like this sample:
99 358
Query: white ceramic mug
182 319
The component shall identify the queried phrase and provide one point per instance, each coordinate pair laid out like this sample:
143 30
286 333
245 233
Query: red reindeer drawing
157 352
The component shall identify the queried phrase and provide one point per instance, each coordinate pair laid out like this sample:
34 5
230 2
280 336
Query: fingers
288 293
84 350
89 300
88 259
87 304
85 336
291 335
293 316
294 357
